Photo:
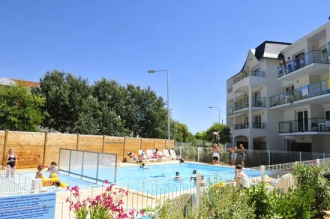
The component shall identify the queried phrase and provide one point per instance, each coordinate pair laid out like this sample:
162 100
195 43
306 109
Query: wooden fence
33 148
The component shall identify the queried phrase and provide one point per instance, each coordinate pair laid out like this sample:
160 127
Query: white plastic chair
141 152
167 154
174 156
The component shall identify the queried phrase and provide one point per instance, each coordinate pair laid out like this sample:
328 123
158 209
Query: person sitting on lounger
137 158
157 154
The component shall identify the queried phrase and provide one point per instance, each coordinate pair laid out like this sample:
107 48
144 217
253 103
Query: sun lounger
150 155
174 156
143 154
167 154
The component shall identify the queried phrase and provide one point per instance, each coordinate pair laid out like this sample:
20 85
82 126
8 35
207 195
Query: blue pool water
159 179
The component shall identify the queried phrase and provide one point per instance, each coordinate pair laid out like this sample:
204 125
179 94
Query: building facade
280 100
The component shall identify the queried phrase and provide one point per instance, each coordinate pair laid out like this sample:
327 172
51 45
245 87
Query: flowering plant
108 205
325 173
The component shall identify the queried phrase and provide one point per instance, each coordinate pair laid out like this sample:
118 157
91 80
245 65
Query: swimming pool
159 179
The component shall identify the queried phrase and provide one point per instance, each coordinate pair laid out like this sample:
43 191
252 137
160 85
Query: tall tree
111 104
68 98
223 130
181 133
19 109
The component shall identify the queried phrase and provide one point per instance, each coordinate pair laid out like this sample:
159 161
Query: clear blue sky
201 42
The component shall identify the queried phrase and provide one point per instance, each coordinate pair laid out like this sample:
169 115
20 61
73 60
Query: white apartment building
252 123
280 100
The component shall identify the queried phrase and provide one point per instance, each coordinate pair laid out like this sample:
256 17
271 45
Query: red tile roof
26 83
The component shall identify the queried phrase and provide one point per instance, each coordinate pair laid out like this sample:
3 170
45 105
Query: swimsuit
233 156
11 158
242 156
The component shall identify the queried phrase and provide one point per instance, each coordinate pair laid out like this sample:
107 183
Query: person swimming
163 175
177 176
143 167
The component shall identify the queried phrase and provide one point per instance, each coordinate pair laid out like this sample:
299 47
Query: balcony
248 74
305 125
259 102
241 126
230 111
307 59
254 125
256 102
241 104
302 93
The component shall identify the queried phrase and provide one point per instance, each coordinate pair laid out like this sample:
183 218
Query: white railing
13 183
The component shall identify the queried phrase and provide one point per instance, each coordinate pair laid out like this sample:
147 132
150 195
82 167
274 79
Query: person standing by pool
242 154
233 155
11 162
215 154
182 160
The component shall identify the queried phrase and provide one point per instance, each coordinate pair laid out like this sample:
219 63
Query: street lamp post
218 109
168 101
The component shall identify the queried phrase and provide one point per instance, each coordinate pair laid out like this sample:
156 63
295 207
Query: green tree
201 135
69 103
223 131
19 109
181 133
111 99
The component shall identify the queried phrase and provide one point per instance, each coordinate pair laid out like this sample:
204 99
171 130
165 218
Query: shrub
310 178
225 202
295 204
262 200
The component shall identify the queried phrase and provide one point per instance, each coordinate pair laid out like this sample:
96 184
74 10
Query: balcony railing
305 92
305 125
242 126
241 104
255 125
256 102
259 102
311 57
248 74
230 111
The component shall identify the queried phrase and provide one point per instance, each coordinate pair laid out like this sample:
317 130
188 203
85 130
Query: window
302 118
289 90
327 115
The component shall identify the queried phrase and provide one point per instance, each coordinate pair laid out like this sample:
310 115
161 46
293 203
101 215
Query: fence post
4 148
103 144
45 147
198 189
268 157
262 173
77 144
299 156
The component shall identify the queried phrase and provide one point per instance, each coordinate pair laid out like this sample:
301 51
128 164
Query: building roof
9 81
270 49
266 50
321 28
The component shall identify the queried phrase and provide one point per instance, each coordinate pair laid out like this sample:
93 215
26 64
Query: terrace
312 57
306 92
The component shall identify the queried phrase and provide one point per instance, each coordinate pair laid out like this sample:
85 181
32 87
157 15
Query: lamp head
151 71
210 107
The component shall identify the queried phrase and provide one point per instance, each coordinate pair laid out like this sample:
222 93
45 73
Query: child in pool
52 169
39 172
